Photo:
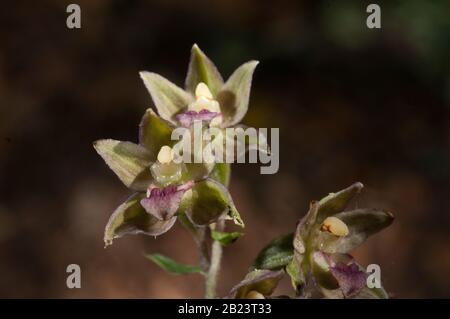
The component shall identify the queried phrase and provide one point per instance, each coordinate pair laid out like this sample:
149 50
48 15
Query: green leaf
208 201
336 202
202 69
171 266
221 173
131 218
261 280
225 238
276 254
235 93
361 223
154 133
168 98
129 161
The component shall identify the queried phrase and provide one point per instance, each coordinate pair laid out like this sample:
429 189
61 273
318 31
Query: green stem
214 266
202 244
210 263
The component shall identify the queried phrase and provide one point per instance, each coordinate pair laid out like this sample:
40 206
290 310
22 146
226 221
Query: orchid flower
167 188
258 284
316 256
206 98
164 189
205 90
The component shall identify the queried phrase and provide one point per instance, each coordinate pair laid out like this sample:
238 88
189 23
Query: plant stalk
212 274
202 244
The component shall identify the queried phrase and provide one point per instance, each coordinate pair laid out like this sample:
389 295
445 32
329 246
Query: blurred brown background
352 104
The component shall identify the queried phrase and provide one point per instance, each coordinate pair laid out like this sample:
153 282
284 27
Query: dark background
352 104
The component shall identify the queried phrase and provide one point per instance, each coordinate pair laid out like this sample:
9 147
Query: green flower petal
198 171
130 162
321 269
262 281
336 202
221 173
361 223
295 272
202 69
168 98
234 95
372 293
208 201
131 218
154 133
330 205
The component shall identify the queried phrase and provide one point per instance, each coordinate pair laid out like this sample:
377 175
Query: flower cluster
166 189
316 256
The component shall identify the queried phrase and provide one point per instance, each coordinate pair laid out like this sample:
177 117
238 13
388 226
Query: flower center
335 226
205 101
165 170
202 90
165 155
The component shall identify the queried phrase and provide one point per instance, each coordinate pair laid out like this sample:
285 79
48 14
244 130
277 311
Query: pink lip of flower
350 278
187 118
163 203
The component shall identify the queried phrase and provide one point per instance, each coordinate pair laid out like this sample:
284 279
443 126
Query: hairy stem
202 244
214 265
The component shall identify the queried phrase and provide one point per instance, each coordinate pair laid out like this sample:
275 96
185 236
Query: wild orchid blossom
164 189
207 98
258 284
316 255
206 94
